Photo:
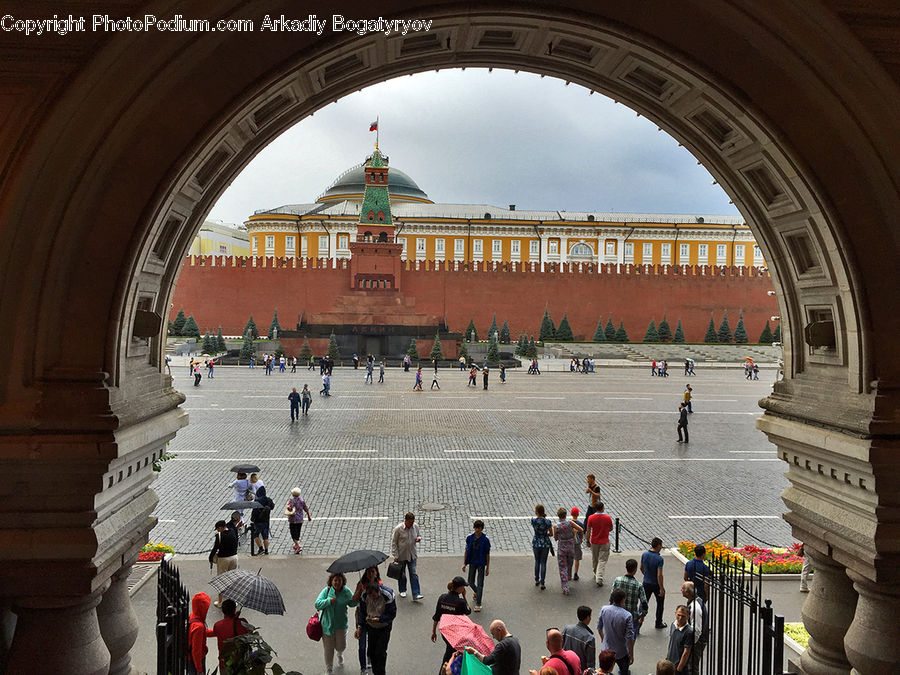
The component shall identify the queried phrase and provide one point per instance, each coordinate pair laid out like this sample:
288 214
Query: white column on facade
332 247
563 249
620 250
544 252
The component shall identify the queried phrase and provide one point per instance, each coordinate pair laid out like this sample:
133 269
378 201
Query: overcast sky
475 137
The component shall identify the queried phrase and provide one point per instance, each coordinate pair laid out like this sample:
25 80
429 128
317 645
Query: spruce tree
776 334
532 349
665 332
251 326
548 330
274 326
711 336
600 334
766 338
191 329
504 333
220 341
436 353
334 352
610 330
724 333
171 329
247 349
564 332
679 334
493 353
740 333
519 346
493 329
652 335
178 323
413 351
471 332
305 350
209 344
621 335
462 351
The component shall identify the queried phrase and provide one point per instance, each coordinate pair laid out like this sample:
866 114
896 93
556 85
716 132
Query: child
197 634
478 558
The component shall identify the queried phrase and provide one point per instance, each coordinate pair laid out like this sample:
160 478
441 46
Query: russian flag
373 126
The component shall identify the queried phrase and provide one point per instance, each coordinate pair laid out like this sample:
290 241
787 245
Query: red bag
314 628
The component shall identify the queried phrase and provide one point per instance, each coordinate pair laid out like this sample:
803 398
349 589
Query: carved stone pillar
77 647
118 622
827 614
872 643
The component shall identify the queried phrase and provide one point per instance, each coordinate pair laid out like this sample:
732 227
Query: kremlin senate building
377 262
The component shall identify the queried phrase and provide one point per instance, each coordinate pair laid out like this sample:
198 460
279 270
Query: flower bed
154 552
766 560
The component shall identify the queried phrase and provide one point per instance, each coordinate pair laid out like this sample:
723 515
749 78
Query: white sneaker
419 596
402 594
341 659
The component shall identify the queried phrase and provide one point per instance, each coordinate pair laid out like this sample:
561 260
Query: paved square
369 453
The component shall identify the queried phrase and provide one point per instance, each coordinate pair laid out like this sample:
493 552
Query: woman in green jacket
332 604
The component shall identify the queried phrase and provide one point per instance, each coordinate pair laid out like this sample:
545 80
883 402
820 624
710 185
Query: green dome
352 184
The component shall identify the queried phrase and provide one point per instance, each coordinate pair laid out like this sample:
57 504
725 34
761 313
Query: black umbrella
244 504
244 468
356 560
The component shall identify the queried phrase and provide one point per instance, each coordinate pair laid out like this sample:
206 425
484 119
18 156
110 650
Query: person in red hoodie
197 634
231 626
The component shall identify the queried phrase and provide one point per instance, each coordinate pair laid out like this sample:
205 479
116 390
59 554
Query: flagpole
377 130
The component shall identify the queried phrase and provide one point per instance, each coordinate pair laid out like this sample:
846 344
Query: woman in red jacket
197 634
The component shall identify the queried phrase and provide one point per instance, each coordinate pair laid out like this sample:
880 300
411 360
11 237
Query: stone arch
107 178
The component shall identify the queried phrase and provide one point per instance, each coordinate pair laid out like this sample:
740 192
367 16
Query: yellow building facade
216 238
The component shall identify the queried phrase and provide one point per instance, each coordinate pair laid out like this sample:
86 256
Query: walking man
294 398
688 390
681 641
683 423
616 629
305 398
599 525
484 376
478 558
224 552
507 655
403 548
699 620
651 568
579 638
381 372
697 572
370 365
635 597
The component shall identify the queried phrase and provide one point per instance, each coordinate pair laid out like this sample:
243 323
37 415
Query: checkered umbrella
251 590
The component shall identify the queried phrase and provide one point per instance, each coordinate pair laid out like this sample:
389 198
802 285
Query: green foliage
274 326
209 344
305 350
220 341
610 330
191 329
679 334
600 334
249 654
471 332
548 330
766 337
178 323
711 336
334 353
436 353
170 330
251 326
621 335
504 333
532 349
740 333
724 333
520 346
493 329
564 332
652 335
493 353
247 349
776 334
665 332
278 353
165 457
413 350
463 352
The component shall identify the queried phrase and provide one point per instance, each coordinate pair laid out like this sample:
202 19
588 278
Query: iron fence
173 609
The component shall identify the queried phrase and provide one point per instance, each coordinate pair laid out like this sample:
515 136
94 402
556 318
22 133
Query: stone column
71 623
827 614
872 643
118 622
620 250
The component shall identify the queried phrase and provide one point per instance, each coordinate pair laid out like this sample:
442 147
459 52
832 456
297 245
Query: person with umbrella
240 487
380 611
260 519
506 658
332 604
371 574
224 552
451 602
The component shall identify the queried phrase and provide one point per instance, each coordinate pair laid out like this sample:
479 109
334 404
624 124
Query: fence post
734 530
616 550
765 614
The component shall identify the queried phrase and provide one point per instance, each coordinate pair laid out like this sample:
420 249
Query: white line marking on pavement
183 452
528 411
341 450
494 451
543 398
721 517
610 452
325 458
752 452
625 398
161 520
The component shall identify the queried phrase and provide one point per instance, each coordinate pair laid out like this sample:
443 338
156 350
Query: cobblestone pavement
369 453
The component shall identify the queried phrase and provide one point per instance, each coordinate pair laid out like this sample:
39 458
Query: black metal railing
173 609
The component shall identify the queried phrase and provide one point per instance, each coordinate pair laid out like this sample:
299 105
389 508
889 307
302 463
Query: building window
684 254
610 248
703 254
721 253
402 242
739 254
666 252
323 243
553 247
476 246
582 250
648 254
629 251
223 248
270 243
255 245
757 255
534 247
459 247
289 246
515 247
420 245
496 247
439 246
344 241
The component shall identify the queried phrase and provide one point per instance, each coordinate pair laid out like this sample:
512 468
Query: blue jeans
623 665
413 577
540 563
476 581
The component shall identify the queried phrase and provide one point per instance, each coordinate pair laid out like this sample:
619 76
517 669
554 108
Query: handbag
395 571
314 628
289 510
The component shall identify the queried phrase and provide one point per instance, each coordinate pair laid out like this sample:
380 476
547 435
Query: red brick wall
227 295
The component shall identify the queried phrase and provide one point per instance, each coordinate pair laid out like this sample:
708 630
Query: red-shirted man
564 661
599 525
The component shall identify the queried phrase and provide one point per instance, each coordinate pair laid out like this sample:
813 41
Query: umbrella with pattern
460 631
251 590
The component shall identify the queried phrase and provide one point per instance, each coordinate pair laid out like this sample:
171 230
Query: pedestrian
240 491
332 604
407 361
255 483
453 602
473 374
294 509
683 423
434 381
477 557
311 364
606 662
404 539
805 570
371 574
697 572
282 363
380 611
294 398
597 530
355 362
687 366
252 361
224 553
294 364
210 366
484 376
579 638
381 372
197 634
698 616
197 374
681 641
691 371
653 368
260 519
564 532
593 492
305 399
562 661
370 366
326 384
418 384
231 626
540 544
635 596
652 569
755 371
688 390
507 655
462 362
579 542
502 373
616 629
